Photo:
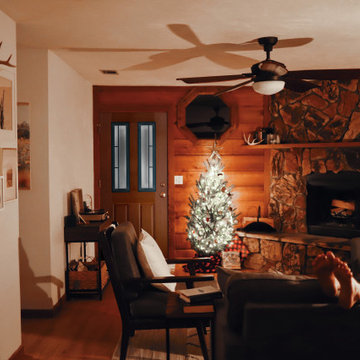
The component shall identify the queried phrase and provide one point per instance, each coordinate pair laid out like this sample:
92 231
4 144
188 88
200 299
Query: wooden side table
85 233
175 312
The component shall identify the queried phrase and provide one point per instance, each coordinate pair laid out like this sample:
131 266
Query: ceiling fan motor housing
268 70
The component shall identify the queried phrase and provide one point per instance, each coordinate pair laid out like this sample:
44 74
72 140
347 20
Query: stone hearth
289 253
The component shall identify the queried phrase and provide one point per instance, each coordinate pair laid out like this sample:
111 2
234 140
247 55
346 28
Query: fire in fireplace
333 204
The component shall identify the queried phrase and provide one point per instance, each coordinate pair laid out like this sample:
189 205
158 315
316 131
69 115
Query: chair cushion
152 260
150 304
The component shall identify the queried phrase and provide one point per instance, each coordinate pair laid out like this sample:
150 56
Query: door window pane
147 156
120 156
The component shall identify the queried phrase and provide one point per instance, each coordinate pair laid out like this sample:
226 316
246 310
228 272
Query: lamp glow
269 87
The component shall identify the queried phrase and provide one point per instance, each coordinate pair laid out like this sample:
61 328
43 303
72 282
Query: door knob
163 195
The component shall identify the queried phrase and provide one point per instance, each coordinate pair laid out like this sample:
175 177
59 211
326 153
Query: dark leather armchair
142 306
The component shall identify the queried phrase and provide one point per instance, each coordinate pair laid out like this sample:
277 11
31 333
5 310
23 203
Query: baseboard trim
18 352
43 313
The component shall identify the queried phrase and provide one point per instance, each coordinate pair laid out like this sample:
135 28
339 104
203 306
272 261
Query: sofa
276 316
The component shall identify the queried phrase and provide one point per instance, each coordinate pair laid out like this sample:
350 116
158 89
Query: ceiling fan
269 76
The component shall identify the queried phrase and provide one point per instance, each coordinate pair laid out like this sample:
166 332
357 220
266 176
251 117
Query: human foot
323 266
349 287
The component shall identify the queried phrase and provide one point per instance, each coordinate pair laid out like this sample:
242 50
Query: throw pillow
152 260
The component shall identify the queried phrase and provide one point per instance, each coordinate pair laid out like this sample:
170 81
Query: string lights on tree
210 226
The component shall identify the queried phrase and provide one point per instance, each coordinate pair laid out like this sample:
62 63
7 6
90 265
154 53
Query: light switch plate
178 180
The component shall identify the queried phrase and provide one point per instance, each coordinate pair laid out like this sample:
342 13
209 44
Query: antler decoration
253 141
6 62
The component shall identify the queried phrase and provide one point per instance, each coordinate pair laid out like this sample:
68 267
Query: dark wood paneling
231 163
141 215
240 178
120 212
182 193
245 166
229 147
147 218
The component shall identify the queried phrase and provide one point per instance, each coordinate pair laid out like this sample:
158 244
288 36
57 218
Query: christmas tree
210 226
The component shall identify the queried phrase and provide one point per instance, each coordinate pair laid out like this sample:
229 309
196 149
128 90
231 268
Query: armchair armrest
185 279
188 260
189 280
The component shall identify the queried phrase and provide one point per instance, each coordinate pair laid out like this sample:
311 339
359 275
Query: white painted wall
10 325
70 151
61 160
34 204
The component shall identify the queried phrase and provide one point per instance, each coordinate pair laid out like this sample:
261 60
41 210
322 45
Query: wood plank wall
245 167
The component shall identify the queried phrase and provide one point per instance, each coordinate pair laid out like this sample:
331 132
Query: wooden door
133 171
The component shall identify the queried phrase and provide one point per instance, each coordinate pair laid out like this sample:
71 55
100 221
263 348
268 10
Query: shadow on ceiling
218 53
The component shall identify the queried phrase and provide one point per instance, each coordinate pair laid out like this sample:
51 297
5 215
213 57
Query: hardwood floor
84 329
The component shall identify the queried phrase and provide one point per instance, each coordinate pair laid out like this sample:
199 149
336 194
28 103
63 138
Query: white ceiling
136 38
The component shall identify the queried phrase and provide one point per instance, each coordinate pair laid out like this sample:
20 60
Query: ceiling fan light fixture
268 87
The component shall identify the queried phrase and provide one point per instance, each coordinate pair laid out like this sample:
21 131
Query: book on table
199 294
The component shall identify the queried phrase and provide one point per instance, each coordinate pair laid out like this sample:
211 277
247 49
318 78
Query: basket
88 280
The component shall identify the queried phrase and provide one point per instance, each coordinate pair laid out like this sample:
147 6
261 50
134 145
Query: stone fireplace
333 204
290 170
328 116
293 248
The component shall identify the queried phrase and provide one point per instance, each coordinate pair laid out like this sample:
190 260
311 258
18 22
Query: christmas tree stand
206 267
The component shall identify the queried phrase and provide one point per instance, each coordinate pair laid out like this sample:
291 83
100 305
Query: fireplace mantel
308 145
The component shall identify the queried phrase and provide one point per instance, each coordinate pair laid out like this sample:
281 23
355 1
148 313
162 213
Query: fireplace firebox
333 204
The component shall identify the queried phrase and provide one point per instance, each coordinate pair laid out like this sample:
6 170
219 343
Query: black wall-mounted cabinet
207 117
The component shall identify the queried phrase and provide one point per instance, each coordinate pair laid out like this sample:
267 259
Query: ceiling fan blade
325 74
232 88
299 85
208 79
185 32
285 43
254 44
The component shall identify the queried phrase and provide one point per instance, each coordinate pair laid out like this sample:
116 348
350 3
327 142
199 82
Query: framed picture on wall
2 201
23 131
7 108
76 197
9 172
